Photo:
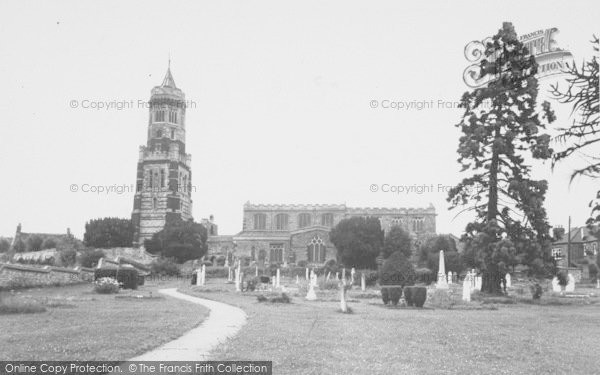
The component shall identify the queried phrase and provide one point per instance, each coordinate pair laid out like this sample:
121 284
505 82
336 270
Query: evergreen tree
500 127
358 240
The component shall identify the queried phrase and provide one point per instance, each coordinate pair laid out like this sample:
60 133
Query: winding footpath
222 323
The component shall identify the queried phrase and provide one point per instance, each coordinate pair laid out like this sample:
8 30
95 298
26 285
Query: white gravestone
508 280
229 278
466 295
363 282
570 284
203 274
449 277
442 283
352 272
256 271
311 295
297 279
278 284
555 285
478 282
307 274
198 277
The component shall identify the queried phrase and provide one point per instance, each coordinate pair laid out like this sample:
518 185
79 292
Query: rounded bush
415 295
128 277
395 293
106 285
385 296
397 270
408 296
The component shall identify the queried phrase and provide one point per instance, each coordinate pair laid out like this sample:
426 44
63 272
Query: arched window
276 253
154 203
303 220
316 251
162 178
281 221
327 220
260 221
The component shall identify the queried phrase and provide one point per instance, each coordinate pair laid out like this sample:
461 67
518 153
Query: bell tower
164 177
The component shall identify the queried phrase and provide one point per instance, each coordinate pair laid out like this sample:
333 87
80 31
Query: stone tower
164 177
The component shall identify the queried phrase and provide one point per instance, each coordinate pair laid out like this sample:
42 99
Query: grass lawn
312 338
81 325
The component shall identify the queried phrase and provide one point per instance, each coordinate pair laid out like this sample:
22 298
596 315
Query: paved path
223 322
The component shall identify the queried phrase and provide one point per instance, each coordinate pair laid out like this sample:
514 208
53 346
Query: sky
280 103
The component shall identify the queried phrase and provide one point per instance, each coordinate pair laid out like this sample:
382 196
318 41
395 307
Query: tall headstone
328 276
466 292
363 282
203 274
198 277
478 282
256 271
344 273
343 303
597 283
570 284
442 283
555 285
278 278
352 272
307 274
229 276
449 277
238 287
508 280
297 279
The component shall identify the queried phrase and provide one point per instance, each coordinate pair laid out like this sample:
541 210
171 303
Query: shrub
415 295
593 271
106 285
4 245
218 272
128 277
165 267
108 232
261 298
562 279
441 298
302 263
283 298
395 292
397 270
49 243
408 297
252 283
67 256
424 276
20 246
385 296
89 258
536 291
331 266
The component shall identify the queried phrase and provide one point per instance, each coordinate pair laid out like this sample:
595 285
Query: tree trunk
492 206
490 282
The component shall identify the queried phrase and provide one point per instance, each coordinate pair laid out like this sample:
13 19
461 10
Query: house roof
578 235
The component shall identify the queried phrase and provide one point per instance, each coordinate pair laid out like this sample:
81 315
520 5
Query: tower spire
169 81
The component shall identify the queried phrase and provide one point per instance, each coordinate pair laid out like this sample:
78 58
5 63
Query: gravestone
478 282
363 282
229 278
466 293
449 277
555 285
203 274
297 279
198 277
442 283
352 272
311 295
570 284
508 280
278 284
307 274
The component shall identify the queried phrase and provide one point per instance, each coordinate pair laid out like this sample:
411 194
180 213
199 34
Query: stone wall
19 276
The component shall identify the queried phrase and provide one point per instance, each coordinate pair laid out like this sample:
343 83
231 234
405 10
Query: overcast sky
279 102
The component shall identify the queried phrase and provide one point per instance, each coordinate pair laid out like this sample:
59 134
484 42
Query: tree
397 239
34 243
19 246
180 240
501 126
108 232
584 132
397 270
358 240
49 243
4 245
434 244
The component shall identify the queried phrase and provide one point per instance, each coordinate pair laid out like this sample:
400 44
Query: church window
159 116
162 178
327 220
316 250
260 221
303 220
172 133
276 253
281 221
173 117
557 253
154 203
